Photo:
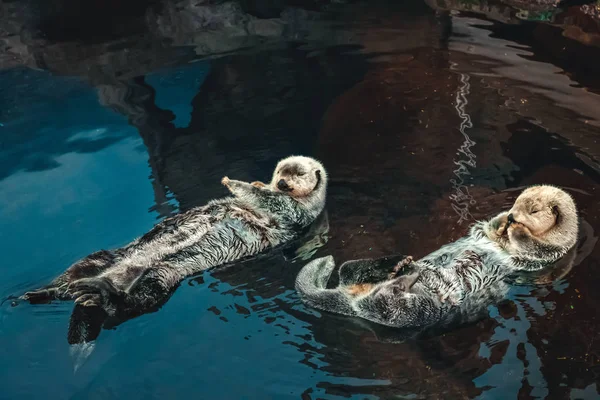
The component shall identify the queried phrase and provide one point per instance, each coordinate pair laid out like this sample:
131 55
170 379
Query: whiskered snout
283 186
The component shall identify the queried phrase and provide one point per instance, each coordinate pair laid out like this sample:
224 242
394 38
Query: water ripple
461 198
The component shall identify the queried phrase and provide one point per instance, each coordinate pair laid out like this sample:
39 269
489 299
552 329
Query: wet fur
143 274
456 282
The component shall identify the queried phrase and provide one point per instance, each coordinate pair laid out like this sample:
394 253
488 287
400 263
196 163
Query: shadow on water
426 120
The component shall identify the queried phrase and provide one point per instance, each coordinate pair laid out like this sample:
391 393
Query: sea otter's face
537 209
298 176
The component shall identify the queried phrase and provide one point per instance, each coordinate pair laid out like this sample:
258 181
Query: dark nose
510 218
282 185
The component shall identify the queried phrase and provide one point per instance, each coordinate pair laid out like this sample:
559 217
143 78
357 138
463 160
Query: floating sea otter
141 276
456 281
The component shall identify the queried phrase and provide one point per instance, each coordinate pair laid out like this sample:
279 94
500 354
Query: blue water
425 123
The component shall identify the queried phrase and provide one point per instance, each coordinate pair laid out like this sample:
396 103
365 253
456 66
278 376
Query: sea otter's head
545 212
299 176
303 178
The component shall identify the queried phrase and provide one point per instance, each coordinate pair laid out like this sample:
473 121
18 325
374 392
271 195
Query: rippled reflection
462 198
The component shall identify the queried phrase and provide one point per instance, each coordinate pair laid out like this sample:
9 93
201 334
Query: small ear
555 212
318 175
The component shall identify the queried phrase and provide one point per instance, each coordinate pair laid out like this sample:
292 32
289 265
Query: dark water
425 121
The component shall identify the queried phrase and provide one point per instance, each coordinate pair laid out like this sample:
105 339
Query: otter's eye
301 173
535 211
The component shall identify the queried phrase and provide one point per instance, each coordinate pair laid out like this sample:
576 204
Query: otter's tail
311 285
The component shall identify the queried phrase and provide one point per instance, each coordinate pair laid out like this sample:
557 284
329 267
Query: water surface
425 120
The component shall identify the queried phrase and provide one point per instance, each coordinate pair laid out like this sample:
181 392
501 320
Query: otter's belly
223 233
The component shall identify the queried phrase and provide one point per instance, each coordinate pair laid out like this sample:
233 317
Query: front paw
518 232
398 268
499 225
502 229
258 184
225 181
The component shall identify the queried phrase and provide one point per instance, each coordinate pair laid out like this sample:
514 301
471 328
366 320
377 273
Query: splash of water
461 198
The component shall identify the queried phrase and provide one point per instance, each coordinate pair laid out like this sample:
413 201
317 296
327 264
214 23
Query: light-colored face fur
546 213
300 177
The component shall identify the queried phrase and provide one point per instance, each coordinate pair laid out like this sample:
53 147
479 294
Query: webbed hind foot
97 292
41 295
369 270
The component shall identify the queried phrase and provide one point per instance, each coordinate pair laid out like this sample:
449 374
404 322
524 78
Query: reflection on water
426 120
462 198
